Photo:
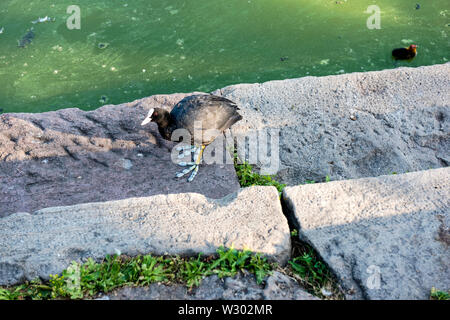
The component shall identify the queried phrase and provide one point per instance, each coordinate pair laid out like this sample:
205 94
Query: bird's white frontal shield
148 118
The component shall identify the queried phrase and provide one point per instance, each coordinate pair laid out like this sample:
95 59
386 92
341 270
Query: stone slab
385 238
71 156
45 242
348 126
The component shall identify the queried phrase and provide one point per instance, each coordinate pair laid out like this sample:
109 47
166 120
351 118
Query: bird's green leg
197 164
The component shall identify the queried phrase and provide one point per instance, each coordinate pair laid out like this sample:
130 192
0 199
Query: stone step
45 242
346 126
385 237
71 156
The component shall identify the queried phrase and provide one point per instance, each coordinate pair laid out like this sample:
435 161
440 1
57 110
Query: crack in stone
70 153
38 124
106 165
103 125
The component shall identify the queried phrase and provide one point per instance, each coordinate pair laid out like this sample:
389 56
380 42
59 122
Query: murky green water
165 46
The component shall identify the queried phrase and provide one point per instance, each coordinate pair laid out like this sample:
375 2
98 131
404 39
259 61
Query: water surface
166 46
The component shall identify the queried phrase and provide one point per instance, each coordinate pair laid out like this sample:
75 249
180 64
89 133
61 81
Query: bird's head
154 115
413 47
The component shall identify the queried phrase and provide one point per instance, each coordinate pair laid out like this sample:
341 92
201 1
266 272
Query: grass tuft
311 272
248 178
439 295
80 281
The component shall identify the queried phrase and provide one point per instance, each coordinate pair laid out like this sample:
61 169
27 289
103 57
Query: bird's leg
193 165
197 163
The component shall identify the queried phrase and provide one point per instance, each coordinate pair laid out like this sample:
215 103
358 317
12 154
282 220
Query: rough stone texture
71 156
281 287
242 287
47 241
352 125
392 228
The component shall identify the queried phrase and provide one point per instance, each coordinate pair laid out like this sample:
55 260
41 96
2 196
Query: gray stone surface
351 125
281 287
385 238
241 287
71 156
45 242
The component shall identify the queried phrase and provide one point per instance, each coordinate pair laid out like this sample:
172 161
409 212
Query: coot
405 53
213 112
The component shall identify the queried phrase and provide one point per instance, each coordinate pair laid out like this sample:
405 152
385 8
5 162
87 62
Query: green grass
311 272
439 295
248 178
87 280
81 281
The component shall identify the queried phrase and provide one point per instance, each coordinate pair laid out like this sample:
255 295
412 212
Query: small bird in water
405 53
26 39
214 113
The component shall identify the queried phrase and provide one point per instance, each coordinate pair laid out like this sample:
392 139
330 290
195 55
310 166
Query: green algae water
130 49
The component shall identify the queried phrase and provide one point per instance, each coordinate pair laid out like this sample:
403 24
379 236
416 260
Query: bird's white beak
148 118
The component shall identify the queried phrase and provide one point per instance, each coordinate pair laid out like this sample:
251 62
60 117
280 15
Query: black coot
212 112
405 53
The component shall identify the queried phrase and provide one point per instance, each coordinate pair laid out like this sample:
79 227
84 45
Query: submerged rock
26 39
103 45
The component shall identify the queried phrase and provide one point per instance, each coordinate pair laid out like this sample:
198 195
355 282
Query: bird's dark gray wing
212 112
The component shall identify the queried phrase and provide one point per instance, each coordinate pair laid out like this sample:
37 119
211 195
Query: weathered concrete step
46 241
347 126
386 237
70 156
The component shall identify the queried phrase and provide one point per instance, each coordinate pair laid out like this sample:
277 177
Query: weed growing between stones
439 295
305 265
310 271
86 280
248 178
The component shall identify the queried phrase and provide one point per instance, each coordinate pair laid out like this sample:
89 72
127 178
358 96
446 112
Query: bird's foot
187 150
193 166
